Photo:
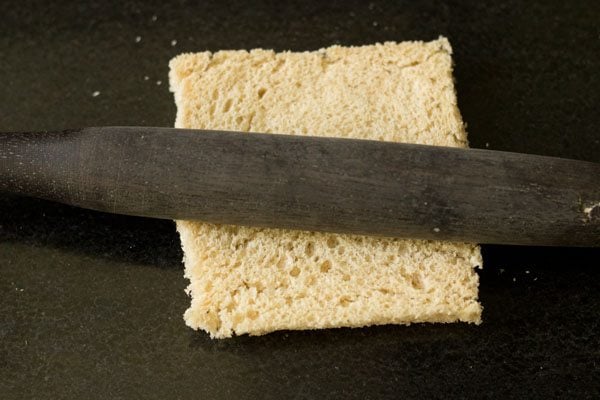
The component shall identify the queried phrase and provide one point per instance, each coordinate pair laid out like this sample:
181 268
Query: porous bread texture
257 280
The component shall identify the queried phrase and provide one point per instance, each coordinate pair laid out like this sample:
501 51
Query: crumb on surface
593 208
138 39
96 93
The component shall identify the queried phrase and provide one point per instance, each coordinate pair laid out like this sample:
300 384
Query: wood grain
324 184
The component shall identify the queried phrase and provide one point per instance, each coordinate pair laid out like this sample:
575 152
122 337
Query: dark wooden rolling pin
312 183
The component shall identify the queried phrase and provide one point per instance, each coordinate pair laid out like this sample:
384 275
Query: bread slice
253 280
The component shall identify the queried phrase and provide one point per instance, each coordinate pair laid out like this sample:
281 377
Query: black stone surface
91 304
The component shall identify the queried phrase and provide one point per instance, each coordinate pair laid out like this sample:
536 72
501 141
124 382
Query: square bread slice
247 280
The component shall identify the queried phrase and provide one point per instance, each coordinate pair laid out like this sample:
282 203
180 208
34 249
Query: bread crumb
159 83
138 39
590 211
154 18
96 93
146 77
173 42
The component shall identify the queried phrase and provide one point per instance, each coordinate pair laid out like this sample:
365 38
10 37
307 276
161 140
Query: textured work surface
91 304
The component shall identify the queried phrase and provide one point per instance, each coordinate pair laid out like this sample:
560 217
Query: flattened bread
250 280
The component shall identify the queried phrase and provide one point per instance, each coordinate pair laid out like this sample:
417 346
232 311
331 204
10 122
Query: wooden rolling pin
311 183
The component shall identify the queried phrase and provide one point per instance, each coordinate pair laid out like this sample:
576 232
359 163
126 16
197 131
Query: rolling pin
310 183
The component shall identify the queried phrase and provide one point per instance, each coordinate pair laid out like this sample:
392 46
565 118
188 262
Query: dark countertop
91 304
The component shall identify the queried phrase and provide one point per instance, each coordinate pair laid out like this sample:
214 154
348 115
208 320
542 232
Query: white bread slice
251 280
